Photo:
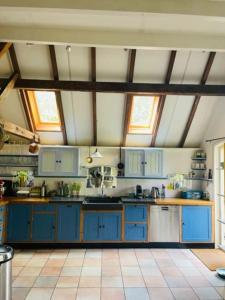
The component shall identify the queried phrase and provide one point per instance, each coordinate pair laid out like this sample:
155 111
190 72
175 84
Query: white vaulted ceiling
111 65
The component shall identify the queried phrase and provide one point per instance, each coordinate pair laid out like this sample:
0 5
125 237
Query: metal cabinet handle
165 208
103 226
183 223
135 225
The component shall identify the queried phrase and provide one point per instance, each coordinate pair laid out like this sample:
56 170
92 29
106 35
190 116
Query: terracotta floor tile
147 262
24 281
184 294
112 294
30 271
39 294
46 281
221 290
189 271
67 281
17 262
136 293
133 281
92 262
16 270
112 281
20 293
37 262
111 271
51 271
73 262
131 271
150 271
90 281
160 294
207 293
88 294
111 262
198 281
91 271
176 281
155 281
71 271
55 262
170 271
64 294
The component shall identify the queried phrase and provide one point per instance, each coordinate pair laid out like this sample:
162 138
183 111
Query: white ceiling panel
34 61
217 72
111 64
138 140
110 118
5 66
77 61
12 110
51 138
151 66
201 120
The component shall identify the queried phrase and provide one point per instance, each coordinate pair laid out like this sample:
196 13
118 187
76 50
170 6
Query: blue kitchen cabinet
135 213
68 222
143 163
2 221
196 224
102 226
43 227
19 220
135 232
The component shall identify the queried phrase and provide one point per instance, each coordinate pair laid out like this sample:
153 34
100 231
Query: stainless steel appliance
164 224
155 192
6 255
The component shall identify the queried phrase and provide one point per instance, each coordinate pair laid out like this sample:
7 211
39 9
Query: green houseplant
75 188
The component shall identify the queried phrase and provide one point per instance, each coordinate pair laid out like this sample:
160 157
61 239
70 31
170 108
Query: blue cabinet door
68 222
110 227
43 227
135 213
19 217
135 232
196 224
91 226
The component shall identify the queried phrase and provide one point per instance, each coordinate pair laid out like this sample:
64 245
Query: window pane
142 111
47 107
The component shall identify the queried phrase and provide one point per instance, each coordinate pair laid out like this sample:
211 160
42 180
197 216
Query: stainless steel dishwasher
164 224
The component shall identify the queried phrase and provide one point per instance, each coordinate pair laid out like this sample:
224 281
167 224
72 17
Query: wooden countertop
180 201
7 200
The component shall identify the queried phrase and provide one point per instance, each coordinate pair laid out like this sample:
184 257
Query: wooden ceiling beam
163 98
94 100
58 93
4 47
8 85
19 131
128 100
120 87
197 99
23 95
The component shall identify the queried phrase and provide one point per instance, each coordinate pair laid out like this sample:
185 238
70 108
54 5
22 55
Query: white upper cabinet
58 161
144 163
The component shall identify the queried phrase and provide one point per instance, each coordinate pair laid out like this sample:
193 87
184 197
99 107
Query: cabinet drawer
135 213
2 208
135 232
44 207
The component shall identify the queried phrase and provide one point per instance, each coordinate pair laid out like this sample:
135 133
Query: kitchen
111 151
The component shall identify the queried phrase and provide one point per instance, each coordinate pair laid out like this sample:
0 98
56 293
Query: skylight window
44 110
143 114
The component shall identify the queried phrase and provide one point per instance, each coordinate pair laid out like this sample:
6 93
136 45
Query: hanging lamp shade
96 154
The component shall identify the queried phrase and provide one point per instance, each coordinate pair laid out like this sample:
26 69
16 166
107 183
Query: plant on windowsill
75 188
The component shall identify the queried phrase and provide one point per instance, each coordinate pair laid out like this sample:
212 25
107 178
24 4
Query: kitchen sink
102 203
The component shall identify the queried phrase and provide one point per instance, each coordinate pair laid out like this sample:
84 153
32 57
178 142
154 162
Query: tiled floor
124 274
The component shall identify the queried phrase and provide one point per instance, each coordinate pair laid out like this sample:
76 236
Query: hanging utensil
120 165
89 158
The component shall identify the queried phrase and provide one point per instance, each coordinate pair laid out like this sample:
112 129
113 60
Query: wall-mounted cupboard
58 161
143 163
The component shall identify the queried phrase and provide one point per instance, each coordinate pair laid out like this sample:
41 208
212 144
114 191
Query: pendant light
96 154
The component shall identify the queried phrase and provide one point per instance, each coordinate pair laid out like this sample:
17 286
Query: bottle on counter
163 192
43 189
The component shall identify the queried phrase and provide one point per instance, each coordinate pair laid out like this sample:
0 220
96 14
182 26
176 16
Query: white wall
175 161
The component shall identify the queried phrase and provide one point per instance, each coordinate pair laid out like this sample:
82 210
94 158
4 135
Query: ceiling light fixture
96 154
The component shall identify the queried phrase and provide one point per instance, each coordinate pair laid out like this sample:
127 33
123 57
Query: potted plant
75 188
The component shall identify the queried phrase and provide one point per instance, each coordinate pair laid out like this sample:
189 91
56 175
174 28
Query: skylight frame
38 124
144 129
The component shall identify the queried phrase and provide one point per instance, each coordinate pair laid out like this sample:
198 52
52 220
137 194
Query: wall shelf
199 158
125 177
